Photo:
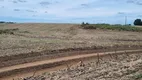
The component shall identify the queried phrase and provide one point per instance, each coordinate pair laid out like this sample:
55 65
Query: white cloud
66 9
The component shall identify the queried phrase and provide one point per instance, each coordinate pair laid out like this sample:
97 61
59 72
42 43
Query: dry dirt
120 67
33 41
62 59
36 37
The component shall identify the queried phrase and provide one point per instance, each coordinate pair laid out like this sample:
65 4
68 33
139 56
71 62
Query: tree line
7 22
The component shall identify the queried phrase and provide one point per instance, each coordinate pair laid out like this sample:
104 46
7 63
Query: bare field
112 67
36 37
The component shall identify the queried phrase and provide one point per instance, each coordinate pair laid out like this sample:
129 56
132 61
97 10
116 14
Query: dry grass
139 26
37 37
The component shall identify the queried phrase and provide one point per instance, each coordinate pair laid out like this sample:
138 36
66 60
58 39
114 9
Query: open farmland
29 47
38 37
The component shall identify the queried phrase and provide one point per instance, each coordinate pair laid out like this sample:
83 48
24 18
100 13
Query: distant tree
87 23
7 22
2 22
129 24
138 22
83 23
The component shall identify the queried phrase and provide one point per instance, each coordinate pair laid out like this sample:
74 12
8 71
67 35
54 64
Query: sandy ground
62 59
120 67
38 37
27 69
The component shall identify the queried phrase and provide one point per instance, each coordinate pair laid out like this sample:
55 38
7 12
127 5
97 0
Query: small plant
137 77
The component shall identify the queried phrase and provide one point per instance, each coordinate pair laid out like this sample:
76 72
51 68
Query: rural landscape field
39 37
26 43
70 40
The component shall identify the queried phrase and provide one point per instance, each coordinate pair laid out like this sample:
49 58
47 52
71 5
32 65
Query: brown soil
111 67
37 37
53 54
7 71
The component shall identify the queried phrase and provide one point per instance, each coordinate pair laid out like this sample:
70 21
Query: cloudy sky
71 11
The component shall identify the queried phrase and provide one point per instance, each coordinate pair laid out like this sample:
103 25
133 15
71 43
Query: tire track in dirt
6 71
53 54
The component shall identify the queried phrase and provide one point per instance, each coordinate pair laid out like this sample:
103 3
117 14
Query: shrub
137 77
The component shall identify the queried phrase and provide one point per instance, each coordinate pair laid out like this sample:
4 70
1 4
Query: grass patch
8 31
111 27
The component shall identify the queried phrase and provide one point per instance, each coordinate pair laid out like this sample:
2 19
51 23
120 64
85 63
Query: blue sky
71 11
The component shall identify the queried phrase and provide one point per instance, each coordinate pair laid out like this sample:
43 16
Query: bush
138 77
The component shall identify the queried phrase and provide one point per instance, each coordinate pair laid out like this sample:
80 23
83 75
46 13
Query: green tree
138 22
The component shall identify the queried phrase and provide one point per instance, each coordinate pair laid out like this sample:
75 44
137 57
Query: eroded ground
121 67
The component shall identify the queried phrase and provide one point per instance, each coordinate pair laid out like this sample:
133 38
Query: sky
71 11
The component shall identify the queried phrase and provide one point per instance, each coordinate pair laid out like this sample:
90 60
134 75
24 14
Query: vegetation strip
111 27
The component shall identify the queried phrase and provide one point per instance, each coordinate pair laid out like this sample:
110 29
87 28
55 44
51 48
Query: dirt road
6 71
